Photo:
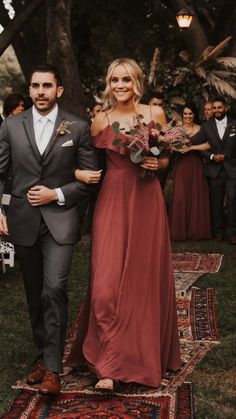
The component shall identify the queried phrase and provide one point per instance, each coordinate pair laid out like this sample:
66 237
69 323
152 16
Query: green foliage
11 78
180 77
116 127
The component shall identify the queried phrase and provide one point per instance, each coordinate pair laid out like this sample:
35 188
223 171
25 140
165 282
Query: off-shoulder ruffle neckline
110 126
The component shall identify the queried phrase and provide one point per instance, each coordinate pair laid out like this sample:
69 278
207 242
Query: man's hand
3 225
40 195
218 158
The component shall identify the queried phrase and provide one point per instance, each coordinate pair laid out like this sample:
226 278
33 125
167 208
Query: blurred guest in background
96 108
13 104
208 111
156 99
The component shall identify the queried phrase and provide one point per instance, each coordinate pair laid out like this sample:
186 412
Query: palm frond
184 69
224 74
221 86
201 72
205 94
179 79
184 55
154 66
218 49
227 62
177 100
205 53
212 52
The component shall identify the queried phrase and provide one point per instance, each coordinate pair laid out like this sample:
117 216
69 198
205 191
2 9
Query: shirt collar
222 121
51 116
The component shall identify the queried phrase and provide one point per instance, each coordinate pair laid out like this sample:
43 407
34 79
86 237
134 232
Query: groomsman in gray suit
44 146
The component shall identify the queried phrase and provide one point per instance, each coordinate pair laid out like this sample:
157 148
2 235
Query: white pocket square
233 133
68 143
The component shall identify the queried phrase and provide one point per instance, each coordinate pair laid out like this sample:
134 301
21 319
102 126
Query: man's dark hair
220 99
155 94
11 102
47 68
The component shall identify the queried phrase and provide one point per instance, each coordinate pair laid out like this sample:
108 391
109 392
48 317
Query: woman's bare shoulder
154 113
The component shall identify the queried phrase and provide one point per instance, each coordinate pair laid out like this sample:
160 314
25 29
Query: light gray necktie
42 140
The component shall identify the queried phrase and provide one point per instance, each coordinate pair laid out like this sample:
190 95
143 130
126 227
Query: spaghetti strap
150 112
107 118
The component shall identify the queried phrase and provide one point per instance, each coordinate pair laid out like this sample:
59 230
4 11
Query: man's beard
220 117
47 105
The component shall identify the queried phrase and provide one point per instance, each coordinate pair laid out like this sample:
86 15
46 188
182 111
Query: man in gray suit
44 146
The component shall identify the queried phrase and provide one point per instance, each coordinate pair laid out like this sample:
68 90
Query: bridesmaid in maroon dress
132 333
189 215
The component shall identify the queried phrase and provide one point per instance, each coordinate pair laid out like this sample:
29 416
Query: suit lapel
216 130
29 130
227 130
54 136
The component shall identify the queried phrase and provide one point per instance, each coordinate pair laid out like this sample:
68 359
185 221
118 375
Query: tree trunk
15 26
61 54
194 37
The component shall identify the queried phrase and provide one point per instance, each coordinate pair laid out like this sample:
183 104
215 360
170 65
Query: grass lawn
214 379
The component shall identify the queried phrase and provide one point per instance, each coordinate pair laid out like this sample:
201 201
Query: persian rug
197 262
97 406
198 333
184 280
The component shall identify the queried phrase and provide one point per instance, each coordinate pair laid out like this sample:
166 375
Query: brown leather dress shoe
37 373
51 383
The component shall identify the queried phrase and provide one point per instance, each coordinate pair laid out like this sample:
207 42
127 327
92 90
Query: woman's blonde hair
136 74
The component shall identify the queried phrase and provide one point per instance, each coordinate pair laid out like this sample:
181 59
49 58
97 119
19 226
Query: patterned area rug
184 280
198 333
197 262
74 406
173 399
188 267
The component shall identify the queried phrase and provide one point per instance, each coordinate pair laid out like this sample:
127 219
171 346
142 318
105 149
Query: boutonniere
232 130
64 127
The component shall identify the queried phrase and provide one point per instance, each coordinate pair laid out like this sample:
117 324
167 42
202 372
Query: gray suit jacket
53 169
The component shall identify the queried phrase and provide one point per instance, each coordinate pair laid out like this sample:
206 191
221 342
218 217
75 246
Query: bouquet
141 142
138 140
175 136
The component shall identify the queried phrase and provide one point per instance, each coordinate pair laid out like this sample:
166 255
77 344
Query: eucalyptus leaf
136 156
155 151
117 142
158 126
116 127
140 116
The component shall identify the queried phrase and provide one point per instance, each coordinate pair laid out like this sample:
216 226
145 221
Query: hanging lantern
184 18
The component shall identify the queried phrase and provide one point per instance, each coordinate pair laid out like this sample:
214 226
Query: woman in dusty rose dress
132 332
189 214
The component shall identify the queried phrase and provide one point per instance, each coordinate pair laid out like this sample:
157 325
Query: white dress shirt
221 126
43 129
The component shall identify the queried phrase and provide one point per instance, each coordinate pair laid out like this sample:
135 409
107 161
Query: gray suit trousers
45 267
